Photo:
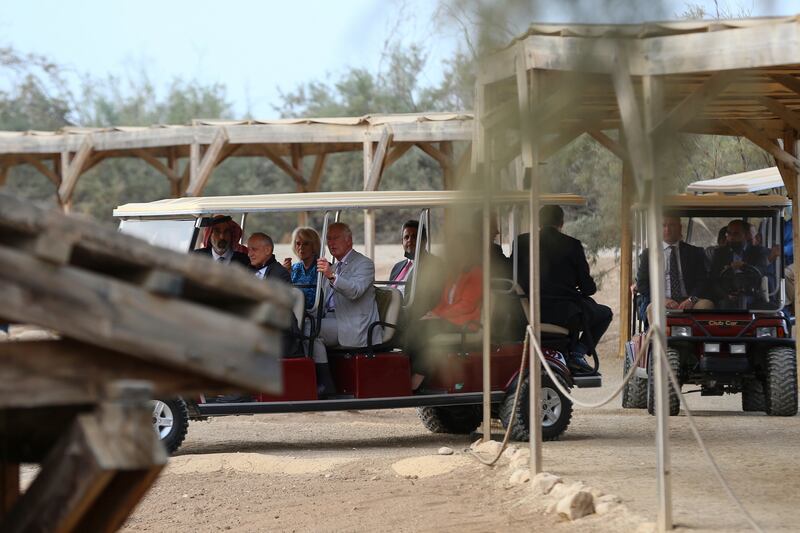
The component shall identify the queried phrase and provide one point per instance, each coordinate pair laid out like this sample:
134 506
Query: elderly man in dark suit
734 257
223 236
686 282
260 249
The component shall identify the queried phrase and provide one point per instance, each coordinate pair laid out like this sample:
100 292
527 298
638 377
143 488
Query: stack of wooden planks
133 322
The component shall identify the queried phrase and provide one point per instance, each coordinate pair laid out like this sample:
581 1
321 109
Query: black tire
674 359
456 419
634 395
753 398
780 386
174 411
560 409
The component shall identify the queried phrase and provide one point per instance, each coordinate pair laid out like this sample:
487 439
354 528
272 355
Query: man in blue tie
738 257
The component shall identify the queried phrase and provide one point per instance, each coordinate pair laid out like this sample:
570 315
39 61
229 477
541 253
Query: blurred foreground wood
134 322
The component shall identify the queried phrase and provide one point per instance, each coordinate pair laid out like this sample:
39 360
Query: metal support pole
369 214
653 99
486 313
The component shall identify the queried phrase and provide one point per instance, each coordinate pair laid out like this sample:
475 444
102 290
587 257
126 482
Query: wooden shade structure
63 156
648 83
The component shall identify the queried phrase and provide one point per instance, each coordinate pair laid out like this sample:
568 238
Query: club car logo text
727 323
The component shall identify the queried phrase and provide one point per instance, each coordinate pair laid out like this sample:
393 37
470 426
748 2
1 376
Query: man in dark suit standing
734 256
429 273
224 234
260 247
686 282
566 285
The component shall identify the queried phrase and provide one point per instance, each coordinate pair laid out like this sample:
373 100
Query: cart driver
684 268
738 256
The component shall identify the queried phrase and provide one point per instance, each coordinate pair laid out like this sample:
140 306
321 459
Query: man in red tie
430 272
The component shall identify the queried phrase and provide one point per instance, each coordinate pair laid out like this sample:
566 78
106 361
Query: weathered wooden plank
68 372
72 171
693 104
44 169
791 118
432 151
117 502
157 164
119 316
375 171
761 140
210 159
99 243
316 172
397 151
82 466
283 165
610 144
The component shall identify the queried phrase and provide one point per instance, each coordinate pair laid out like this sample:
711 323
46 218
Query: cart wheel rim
163 418
551 406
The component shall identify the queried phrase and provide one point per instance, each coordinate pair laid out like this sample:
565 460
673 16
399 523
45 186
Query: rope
507 435
565 391
717 472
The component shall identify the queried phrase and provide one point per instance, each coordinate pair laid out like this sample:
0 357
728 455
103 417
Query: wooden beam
432 151
761 140
66 372
626 192
9 486
209 161
448 171
610 144
639 148
369 214
788 81
789 173
378 161
316 172
552 146
71 492
791 118
41 167
397 151
157 164
691 106
283 165
70 174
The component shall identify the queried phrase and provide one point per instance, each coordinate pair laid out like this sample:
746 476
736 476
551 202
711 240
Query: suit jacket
430 280
354 298
756 256
564 271
238 257
693 267
276 271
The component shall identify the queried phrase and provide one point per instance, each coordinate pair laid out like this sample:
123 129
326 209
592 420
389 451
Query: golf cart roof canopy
722 202
318 201
764 179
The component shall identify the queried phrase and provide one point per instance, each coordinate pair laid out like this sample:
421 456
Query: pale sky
255 47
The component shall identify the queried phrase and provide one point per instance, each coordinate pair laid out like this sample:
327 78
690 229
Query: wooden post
653 110
369 214
3 175
175 184
625 255
9 487
448 170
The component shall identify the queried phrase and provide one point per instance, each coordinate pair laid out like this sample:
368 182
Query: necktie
674 275
330 304
403 274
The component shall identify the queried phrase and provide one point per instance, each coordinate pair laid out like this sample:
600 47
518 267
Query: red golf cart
378 375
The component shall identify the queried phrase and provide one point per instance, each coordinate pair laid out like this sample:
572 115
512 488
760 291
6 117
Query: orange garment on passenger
465 303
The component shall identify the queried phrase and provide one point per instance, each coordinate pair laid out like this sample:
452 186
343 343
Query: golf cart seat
390 303
552 329
299 306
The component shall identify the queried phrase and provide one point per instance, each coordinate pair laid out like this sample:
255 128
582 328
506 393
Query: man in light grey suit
348 301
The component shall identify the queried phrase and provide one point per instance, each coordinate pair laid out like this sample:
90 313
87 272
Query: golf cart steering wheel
745 282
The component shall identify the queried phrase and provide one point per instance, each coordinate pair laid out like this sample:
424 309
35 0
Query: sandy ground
378 470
